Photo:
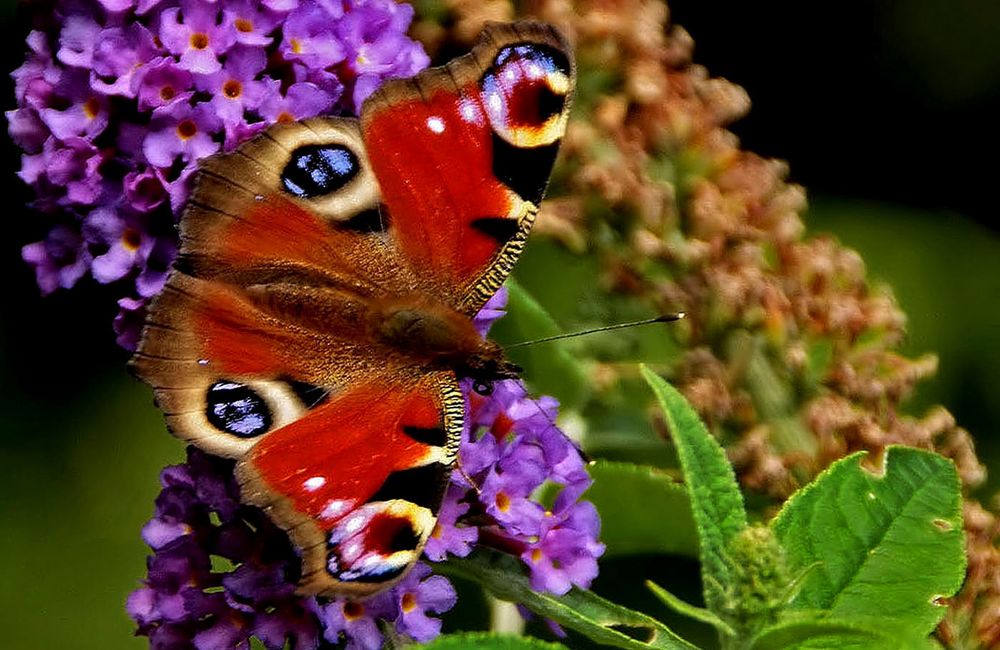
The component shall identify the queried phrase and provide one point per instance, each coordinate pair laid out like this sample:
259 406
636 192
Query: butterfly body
321 310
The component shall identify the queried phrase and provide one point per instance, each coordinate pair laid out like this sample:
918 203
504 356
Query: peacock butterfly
319 314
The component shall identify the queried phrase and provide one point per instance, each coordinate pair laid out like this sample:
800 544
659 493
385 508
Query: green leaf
549 366
488 641
889 545
716 501
691 611
643 510
833 634
583 611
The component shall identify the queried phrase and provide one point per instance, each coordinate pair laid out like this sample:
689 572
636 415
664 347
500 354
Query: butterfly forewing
282 337
463 154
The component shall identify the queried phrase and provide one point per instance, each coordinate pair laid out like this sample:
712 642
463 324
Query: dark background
890 100
885 111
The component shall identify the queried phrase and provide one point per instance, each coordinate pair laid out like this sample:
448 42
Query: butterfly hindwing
358 480
463 154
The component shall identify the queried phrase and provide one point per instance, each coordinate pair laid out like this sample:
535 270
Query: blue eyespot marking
237 409
317 170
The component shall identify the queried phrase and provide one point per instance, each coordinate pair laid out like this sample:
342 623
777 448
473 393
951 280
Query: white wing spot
336 508
314 483
435 124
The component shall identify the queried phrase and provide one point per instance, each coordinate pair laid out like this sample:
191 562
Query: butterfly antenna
468 479
665 318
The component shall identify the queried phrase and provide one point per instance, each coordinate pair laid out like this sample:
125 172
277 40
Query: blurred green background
886 112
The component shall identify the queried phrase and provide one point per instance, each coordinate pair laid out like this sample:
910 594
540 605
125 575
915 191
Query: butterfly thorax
440 337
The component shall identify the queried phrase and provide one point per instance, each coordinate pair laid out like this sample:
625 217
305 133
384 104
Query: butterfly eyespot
525 93
318 170
237 409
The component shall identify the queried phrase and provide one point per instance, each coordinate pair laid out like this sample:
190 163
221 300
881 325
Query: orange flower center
285 117
199 40
503 502
243 25
353 611
91 108
296 46
408 603
186 129
131 239
232 89
167 93
536 555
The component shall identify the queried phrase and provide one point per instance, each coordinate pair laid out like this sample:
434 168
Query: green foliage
821 634
484 641
552 369
583 611
890 544
643 510
854 560
715 497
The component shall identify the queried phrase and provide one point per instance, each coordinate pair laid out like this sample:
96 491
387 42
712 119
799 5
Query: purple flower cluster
510 450
118 99
222 573
517 450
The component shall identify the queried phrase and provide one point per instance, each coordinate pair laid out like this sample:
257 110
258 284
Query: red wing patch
366 468
434 162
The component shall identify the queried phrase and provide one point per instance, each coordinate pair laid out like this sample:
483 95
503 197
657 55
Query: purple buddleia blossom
117 100
356 623
181 131
253 23
310 37
161 82
128 322
125 240
59 260
119 53
373 50
418 594
234 89
301 100
193 33
86 114
448 535
198 515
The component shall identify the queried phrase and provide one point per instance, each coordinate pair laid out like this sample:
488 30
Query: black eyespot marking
423 486
524 169
317 170
499 228
548 104
310 395
436 436
367 222
405 539
237 409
